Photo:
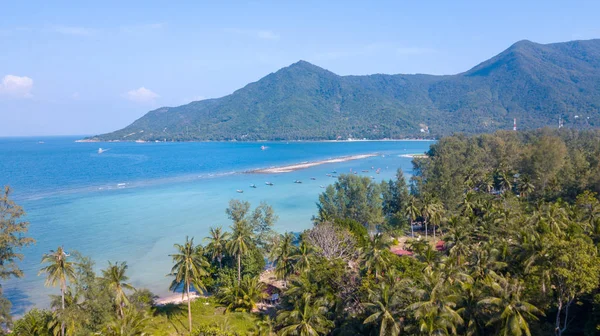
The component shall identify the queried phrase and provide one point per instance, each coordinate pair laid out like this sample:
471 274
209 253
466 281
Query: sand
304 165
175 299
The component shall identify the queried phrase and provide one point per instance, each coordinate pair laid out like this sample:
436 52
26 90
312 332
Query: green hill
535 83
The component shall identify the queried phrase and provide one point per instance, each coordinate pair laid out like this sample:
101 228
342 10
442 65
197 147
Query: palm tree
435 312
302 257
239 244
385 306
217 242
505 181
431 209
132 323
282 256
114 277
306 319
58 271
376 254
510 311
458 238
412 212
526 188
244 297
190 267
468 204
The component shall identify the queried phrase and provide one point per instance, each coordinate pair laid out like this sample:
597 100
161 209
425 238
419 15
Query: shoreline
175 299
304 165
251 141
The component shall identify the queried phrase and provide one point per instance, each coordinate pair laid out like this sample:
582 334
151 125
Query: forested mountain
535 83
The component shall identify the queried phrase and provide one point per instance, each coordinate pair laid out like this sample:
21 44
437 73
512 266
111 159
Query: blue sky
91 67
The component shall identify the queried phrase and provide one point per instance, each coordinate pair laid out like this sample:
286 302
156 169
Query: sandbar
304 165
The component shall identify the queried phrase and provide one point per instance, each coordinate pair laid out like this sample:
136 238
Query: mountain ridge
535 83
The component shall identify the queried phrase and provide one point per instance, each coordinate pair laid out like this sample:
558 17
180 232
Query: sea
133 201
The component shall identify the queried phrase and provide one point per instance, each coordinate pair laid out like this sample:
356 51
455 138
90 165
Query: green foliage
12 239
34 323
352 197
535 83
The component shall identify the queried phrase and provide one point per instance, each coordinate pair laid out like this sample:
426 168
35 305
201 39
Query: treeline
495 235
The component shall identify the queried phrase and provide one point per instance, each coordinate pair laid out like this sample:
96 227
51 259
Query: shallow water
133 202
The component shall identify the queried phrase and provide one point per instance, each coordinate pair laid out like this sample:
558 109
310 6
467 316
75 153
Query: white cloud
16 86
74 31
258 34
141 95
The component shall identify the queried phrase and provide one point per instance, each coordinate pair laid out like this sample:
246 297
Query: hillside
535 83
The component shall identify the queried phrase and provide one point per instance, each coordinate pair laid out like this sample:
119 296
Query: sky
84 68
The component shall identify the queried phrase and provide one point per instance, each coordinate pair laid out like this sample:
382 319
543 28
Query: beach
304 165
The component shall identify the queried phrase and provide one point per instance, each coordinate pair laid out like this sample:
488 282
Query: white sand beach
294 167
175 299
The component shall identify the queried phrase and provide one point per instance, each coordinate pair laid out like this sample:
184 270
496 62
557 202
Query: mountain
535 83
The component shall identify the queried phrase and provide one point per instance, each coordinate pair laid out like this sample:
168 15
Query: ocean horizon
133 201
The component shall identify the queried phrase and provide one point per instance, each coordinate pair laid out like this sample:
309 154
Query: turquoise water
134 201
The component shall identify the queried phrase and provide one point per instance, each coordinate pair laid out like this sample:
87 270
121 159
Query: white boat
240 191
321 186
253 186
100 150
297 181
263 147
269 183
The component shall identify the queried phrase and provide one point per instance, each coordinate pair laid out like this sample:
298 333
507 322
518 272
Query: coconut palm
458 238
190 267
302 257
308 318
59 271
217 241
114 277
505 181
384 306
435 312
244 297
412 212
240 242
34 323
511 313
376 254
282 256
132 323
525 186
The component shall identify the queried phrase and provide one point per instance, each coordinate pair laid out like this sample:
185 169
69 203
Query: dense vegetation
495 234
534 83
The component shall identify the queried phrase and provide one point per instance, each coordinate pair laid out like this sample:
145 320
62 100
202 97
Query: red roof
440 245
401 252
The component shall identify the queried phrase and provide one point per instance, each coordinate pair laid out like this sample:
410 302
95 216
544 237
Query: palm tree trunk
220 265
62 295
425 229
239 257
412 229
189 307
434 232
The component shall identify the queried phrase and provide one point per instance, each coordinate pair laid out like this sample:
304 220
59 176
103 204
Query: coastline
175 299
304 165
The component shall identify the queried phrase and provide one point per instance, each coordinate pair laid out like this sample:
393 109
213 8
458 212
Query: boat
269 183
253 186
263 147
321 186
328 175
297 181
313 178
365 171
240 191
121 185
100 150
334 172
41 142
